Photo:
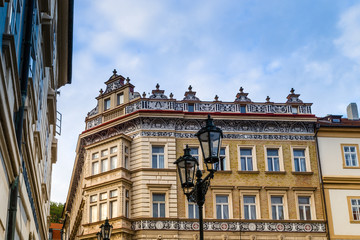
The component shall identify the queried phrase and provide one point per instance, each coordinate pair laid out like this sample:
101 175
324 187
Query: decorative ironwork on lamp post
210 142
105 231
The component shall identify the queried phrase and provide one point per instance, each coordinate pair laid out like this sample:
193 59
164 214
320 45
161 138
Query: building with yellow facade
338 143
266 187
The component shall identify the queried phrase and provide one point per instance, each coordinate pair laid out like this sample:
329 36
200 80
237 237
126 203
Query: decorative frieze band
183 128
235 226
152 104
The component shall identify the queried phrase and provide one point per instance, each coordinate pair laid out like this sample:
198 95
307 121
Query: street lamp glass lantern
106 230
210 142
186 166
98 236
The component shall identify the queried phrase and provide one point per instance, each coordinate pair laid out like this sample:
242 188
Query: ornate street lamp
105 231
210 141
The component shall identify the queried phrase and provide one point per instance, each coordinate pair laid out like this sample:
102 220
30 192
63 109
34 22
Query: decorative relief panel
302 227
94 122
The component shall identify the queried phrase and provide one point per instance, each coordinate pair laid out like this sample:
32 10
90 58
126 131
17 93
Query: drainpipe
317 126
19 119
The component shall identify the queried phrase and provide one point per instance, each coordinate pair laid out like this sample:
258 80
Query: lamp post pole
210 141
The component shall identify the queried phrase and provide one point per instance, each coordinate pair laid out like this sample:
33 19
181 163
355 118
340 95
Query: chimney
352 111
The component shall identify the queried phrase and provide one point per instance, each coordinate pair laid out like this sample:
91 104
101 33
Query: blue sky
217 46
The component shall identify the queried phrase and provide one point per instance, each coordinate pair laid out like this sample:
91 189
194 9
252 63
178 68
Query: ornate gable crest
115 81
157 93
190 95
241 96
293 98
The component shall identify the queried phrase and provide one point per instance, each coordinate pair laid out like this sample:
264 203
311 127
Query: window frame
151 154
187 203
255 193
118 98
281 158
220 192
97 203
253 154
312 204
285 204
307 158
166 202
200 160
227 162
107 100
351 218
343 155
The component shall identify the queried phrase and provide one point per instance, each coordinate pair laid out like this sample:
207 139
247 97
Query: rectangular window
120 98
355 209
113 162
249 207
93 213
243 108
277 207
273 159
193 210
299 160
246 159
221 165
126 149
294 110
190 107
127 204
126 162
158 205
93 198
350 155
194 151
95 156
104 165
95 168
113 150
222 207
157 157
113 209
103 196
107 104
103 211
113 193
304 208
104 153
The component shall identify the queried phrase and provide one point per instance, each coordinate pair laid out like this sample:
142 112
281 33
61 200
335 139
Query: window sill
248 172
224 171
275 172
302 173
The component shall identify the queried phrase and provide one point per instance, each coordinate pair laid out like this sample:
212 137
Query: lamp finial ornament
241 89
114 72
267 99
190 88
292 90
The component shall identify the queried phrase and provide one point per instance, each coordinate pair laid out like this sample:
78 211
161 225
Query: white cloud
349 25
